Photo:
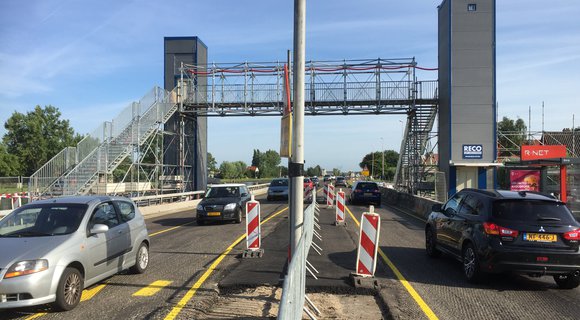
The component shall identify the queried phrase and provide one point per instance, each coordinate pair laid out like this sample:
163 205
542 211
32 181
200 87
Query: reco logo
472 148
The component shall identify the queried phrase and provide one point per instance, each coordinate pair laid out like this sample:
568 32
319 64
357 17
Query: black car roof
508 194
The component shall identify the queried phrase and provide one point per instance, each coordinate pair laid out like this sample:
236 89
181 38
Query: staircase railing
75 169
44 178
154 108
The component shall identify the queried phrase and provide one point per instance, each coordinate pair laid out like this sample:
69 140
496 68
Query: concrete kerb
408 203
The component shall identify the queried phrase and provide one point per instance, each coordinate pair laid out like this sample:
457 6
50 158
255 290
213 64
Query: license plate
214 214
368 194
540 237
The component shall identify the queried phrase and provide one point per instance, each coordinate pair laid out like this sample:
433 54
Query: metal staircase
102 151
411 171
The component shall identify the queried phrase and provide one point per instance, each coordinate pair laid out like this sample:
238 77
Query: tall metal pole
296 165
383 153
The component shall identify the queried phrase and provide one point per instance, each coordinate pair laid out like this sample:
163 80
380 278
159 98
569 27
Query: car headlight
25 267
230 206
199 207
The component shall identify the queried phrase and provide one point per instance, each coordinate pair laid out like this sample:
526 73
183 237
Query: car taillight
572 235
493 229
376 190
358 191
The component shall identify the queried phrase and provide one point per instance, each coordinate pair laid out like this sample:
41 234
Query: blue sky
92 58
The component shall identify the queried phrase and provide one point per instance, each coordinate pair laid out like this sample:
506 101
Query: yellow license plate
214 214
540 237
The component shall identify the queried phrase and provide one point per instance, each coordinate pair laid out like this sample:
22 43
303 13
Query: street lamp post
373 166
383 162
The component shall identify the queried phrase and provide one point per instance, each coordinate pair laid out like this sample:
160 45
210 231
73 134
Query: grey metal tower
467 94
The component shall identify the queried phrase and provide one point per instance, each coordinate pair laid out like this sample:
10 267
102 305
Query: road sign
286 136
365 172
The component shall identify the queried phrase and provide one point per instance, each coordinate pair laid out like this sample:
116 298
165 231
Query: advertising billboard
525 180
542 152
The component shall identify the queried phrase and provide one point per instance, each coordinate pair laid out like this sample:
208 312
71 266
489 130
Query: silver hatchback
52 249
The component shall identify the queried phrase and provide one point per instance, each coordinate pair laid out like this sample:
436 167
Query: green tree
269 162
9 164
35 137
211 163
314 171
511 136
374 162
233 170
256 158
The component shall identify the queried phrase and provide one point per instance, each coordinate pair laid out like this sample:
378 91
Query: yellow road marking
36 315
90 293
426 309
191 292
152 288
172 228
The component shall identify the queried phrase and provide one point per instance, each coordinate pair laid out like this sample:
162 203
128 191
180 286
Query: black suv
492 231
223 202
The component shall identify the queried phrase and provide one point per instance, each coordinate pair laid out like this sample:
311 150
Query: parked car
52 249
278 189
340 182
493 231
326 178
223 202
365 192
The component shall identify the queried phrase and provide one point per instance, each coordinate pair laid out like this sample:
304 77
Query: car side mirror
99 228
437 207
244 195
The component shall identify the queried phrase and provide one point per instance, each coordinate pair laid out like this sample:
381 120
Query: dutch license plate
540 237
214 214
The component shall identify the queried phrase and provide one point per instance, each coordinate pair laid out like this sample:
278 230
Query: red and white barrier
366 257
330 195
253 229
339 207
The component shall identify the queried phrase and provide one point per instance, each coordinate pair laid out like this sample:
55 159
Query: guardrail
294 288
160 199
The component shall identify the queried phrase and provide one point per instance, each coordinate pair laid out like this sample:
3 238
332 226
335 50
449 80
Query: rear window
367 186
280 182
533 211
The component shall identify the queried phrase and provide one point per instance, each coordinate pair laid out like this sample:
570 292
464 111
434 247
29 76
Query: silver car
52 249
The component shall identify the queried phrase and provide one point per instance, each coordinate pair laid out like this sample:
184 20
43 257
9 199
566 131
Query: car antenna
522 193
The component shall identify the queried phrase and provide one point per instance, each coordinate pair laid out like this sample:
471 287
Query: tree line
33 138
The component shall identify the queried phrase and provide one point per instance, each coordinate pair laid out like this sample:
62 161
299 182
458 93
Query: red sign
542 152
525 180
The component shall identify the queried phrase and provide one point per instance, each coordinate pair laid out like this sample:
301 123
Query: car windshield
43 220
279 182
223 192
339 179
531 211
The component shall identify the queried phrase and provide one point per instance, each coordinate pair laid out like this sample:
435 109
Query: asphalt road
182 252
440 285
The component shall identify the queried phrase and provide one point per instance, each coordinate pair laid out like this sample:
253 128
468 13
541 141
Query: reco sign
472 151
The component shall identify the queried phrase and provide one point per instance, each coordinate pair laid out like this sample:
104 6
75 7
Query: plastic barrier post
366 257
330 196
253 230
339 208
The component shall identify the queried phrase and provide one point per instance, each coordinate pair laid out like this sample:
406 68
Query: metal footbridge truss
348 87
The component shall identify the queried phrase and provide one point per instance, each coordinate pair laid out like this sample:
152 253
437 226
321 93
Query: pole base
340 223
256 253
364 282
